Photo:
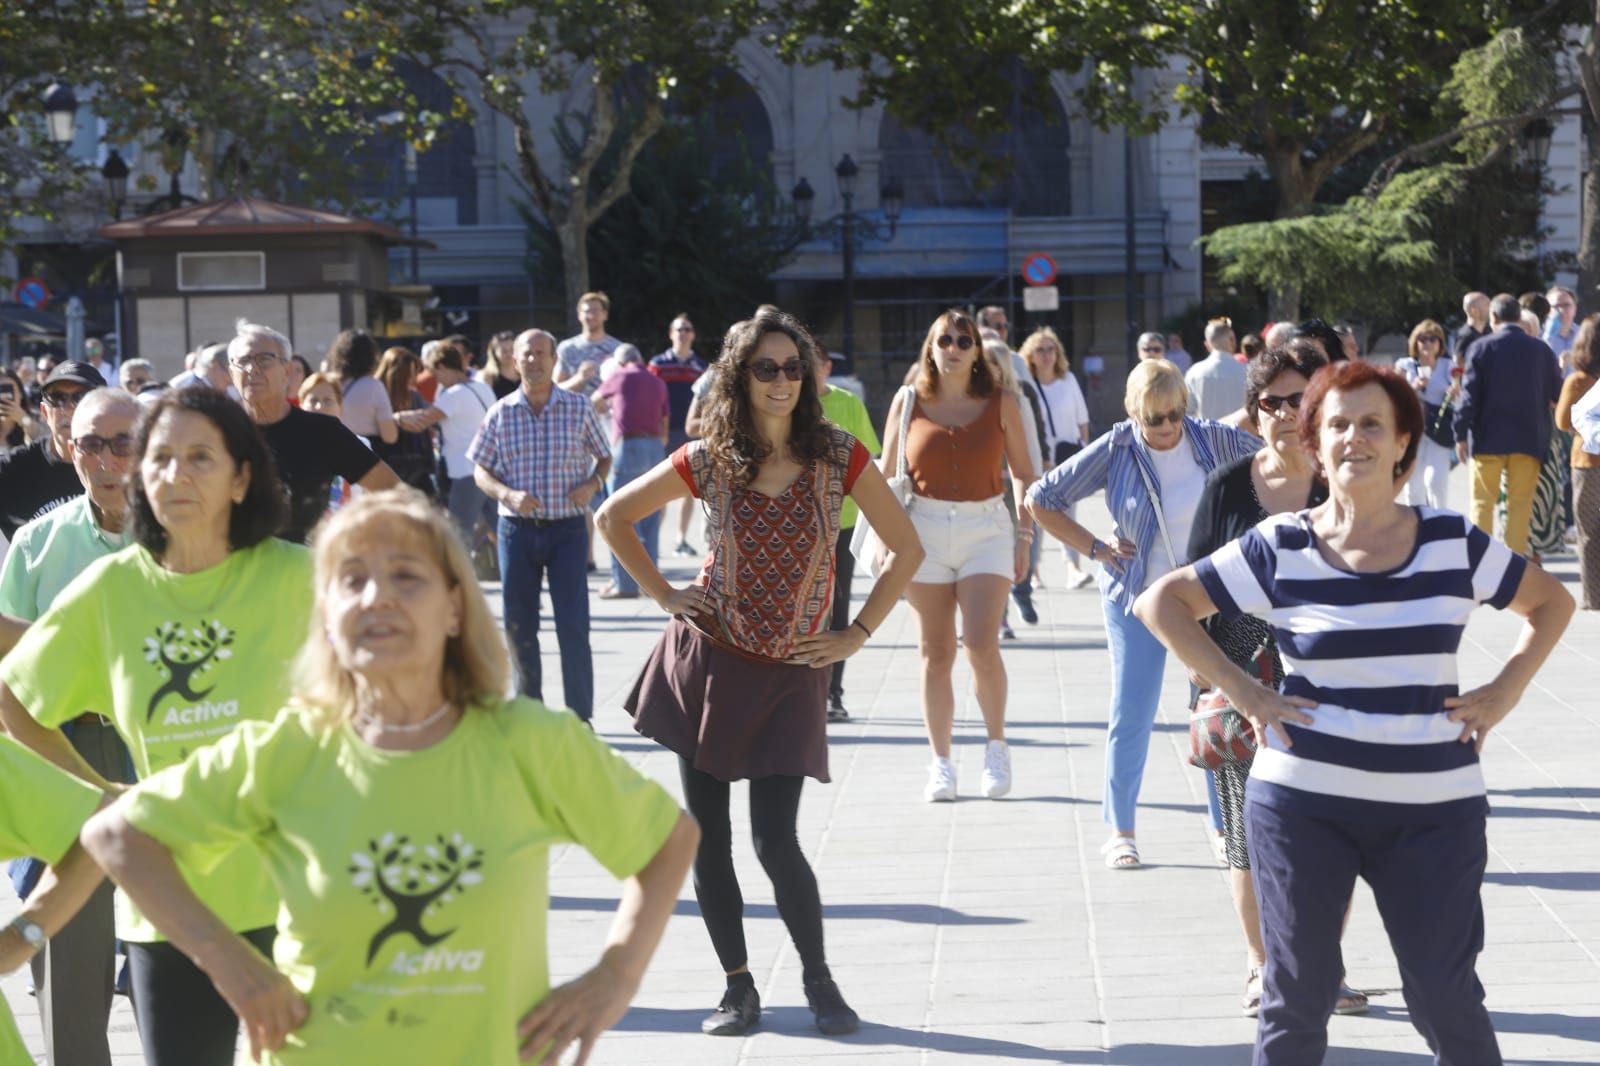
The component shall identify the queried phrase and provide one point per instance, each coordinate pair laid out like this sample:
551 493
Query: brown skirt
733 716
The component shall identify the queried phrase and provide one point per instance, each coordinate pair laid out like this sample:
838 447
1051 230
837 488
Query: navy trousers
1426 880
532 552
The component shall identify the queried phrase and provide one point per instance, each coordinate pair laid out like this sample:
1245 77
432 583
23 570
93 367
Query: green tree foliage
693 237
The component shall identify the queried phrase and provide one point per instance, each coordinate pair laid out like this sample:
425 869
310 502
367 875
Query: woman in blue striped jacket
1153 468
1368 758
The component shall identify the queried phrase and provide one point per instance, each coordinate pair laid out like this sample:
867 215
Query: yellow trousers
1521 473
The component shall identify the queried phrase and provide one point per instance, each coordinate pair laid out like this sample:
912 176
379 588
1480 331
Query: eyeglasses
683 329
254 362
962 342
1156 421
1429 340
767 370
1271 404
1154 348
64 398
89 444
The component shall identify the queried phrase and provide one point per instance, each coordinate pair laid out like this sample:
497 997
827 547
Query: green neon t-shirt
845 410
41 810
177 661
413 883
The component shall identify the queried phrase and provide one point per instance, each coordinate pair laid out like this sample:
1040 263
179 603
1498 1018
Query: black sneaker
737 1014
836 711
834 1016
1024 600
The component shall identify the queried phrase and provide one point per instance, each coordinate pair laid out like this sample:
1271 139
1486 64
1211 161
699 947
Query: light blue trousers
1138 662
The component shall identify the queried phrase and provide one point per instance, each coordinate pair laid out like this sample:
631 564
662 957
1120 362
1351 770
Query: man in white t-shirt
579 357
1216 383
464 403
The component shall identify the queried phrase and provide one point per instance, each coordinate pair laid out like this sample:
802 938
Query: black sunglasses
64 398
962 342
1153 421
767 370
89 444
1272 403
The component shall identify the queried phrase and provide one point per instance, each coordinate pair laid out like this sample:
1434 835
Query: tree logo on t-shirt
404 881
181 655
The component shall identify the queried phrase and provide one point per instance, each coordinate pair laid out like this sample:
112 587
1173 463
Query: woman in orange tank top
961 425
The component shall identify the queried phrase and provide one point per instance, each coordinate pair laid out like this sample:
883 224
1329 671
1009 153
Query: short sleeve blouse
770 561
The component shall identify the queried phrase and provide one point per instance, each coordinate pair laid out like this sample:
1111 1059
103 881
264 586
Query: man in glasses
39 478
74 973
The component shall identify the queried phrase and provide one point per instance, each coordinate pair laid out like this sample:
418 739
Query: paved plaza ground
989 932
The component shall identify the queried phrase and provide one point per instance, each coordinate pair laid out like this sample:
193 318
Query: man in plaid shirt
541 454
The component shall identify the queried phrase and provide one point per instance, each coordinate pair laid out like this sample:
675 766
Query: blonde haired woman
1429 369
959 428
405 809
1066 415
1153 469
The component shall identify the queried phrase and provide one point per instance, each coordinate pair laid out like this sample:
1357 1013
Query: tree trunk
1295 191
573 232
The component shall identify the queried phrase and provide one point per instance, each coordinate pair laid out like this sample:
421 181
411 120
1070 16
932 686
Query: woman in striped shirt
1368 760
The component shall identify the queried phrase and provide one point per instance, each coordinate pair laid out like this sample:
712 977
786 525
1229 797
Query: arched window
1036 144
447 180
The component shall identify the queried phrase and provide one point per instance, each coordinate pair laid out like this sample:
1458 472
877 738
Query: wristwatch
29 930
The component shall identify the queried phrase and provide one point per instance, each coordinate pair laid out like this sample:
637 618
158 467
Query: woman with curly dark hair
737 687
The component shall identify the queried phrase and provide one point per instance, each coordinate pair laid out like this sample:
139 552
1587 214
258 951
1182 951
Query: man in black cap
40 477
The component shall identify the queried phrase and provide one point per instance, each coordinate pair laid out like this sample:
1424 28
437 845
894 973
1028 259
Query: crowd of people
251 677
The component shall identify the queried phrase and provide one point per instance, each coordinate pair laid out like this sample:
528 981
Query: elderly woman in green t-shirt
405 808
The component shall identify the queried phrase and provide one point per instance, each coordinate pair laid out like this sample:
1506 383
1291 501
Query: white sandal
1121 853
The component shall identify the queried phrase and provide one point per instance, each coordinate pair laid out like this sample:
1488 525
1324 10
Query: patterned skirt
732 715
1549 524
1586 504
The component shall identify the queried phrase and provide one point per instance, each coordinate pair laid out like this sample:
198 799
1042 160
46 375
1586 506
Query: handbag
1437 425
865 542
1218 734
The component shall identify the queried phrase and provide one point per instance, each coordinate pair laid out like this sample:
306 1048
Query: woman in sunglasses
1430 370
737 687
954 425
1238 496
1153 469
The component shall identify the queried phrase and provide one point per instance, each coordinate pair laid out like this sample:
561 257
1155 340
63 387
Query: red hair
1348 377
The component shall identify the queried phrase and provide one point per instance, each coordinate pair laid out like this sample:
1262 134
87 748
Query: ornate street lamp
61 112
115 173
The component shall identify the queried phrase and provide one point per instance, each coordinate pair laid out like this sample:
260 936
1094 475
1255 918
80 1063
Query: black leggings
182 1019
774 805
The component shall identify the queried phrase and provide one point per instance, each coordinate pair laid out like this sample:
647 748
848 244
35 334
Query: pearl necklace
372 721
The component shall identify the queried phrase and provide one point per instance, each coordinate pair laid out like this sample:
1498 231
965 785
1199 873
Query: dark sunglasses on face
1152 348
1155 421
962 342
62 398
1272 403
1429 340
767 370
89 444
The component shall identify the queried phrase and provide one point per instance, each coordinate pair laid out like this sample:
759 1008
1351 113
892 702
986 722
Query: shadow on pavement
1497 811
916 913
1563 881
1551 793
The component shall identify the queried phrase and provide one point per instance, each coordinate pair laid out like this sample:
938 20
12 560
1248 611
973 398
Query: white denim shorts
963 539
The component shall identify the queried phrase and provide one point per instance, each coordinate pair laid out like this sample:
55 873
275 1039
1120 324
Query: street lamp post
847 228
61 113
115 173
411 189
1536 137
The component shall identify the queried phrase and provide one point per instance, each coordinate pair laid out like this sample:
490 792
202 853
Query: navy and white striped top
1377 652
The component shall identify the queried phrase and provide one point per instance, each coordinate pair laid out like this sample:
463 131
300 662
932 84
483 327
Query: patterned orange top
769 565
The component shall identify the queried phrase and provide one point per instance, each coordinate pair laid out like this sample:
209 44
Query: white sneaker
941 782
996 769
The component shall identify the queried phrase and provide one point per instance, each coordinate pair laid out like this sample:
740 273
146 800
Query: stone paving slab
989 932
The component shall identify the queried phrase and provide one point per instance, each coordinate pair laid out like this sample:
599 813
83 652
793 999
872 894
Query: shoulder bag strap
908 398
1155 501
1044 401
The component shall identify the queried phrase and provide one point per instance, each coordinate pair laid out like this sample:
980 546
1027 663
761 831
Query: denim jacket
1112 463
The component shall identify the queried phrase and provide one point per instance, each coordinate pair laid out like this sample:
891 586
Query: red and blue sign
1039 269
31 292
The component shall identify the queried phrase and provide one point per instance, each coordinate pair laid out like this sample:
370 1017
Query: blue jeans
633 458
465 501
529 549
1138 660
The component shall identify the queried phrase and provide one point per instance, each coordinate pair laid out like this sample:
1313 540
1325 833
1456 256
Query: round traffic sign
1039 269
31 292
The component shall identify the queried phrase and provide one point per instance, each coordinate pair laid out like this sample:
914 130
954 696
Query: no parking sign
31 292
1039 269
